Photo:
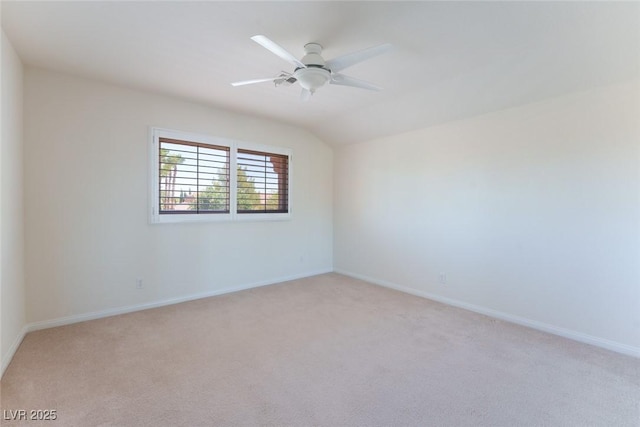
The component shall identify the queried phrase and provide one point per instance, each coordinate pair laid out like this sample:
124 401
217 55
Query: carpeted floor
323 351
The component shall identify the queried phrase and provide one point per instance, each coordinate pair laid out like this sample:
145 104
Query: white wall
12 293
533 213
86 180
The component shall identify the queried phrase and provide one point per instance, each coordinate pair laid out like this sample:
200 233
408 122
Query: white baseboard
555 330
61 321
8 356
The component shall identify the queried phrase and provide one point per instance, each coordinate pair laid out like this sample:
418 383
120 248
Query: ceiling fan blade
278 50
341 79
250 82
344 61
305 95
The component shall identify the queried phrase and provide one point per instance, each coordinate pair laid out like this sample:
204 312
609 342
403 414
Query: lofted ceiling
450 60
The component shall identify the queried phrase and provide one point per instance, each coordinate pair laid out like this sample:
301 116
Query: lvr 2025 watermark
29 414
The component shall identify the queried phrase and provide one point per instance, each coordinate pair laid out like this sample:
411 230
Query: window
263 180
192 180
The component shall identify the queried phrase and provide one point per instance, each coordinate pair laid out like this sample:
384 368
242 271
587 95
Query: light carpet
327 350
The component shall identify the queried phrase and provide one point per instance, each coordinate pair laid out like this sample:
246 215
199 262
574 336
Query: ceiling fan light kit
312 71
312 78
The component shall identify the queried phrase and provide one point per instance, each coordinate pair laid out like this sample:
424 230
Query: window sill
199 218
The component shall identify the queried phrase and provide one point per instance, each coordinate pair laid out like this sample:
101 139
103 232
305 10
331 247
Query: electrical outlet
442 278
139 284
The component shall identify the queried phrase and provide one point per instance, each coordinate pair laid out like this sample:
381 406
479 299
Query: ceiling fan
312 71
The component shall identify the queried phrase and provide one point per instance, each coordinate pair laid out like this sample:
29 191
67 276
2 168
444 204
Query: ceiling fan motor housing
315 75
312 55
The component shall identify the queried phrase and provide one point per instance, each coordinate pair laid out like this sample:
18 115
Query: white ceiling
450 60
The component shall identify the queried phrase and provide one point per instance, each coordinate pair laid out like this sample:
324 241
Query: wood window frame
281 186
199 163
